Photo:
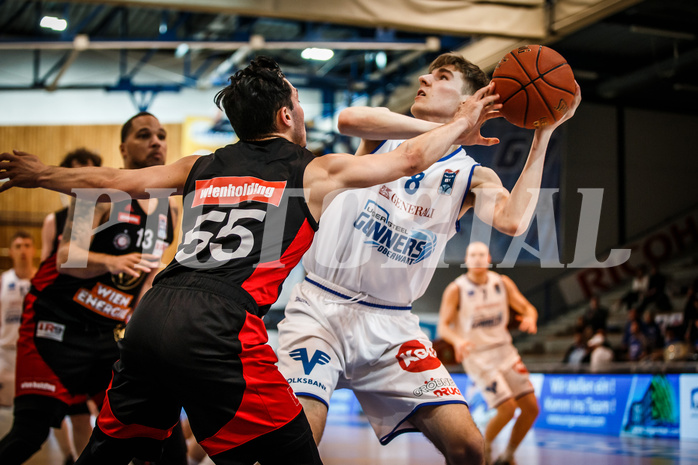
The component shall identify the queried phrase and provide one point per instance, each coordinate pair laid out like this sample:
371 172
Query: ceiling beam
508 18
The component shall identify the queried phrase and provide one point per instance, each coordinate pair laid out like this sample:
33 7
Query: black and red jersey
106 299
245 217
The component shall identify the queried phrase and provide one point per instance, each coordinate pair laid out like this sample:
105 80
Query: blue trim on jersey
451 155
467 190
367 304
393 434
379 146
307 394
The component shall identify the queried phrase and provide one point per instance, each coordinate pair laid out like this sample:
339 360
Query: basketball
535 84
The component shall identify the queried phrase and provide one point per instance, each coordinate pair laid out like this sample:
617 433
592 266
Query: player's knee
531 410
507 409
30 429
469 450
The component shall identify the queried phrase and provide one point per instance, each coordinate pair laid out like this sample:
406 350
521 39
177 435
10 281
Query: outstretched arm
26 170
511 212
521 305
448 315
333 172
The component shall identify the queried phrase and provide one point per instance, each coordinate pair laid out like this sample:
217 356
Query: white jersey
386 241
483 314
12 295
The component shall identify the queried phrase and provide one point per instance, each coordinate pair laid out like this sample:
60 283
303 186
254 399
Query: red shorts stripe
111 426
268 402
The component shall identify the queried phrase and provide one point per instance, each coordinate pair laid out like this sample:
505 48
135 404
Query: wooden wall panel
26 208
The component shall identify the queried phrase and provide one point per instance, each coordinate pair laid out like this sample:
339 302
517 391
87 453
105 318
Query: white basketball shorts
330 339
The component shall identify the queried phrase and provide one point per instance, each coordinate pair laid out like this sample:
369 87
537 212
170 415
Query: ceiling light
51 22
381 60
181 50
320 54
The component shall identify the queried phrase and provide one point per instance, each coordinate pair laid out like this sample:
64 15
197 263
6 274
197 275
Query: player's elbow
510 229
347 122
511 226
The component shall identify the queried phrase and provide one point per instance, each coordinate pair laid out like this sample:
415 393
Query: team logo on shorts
492 387
439 386
50 330
414 357
319 357
519 367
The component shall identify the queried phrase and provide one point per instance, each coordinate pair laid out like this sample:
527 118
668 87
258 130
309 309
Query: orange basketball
535 84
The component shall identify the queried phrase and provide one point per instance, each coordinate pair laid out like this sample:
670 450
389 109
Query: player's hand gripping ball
535 84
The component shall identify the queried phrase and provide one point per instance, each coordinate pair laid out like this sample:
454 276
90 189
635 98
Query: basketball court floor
349 440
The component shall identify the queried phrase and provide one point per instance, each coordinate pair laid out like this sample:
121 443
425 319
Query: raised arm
448 316
380 124
511 212
521 305
333 172
26 170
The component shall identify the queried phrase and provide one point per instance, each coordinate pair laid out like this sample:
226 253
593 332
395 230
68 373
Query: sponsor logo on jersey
11 287
301 355
39 386
307 381
415 357
439 386
162 226
122 241
232 190
50 330
447 182
125 217
105 301
488 322
392 240
410 208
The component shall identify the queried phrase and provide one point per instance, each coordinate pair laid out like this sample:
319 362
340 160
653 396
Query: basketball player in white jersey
473 318
14 285
349 323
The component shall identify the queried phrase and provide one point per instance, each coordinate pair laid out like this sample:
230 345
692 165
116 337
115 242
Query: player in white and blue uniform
474 318
349 323
14 286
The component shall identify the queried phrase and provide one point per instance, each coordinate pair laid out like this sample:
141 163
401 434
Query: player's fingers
488 141
141 267
7 156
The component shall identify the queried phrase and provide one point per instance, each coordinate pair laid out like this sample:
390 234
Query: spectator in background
690 315
633 318
656 292
601 352
14 285
637 343
596 316
578 352
638 288
653 333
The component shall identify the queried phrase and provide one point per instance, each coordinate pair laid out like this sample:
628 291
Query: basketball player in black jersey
73 435
196 339
67 345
